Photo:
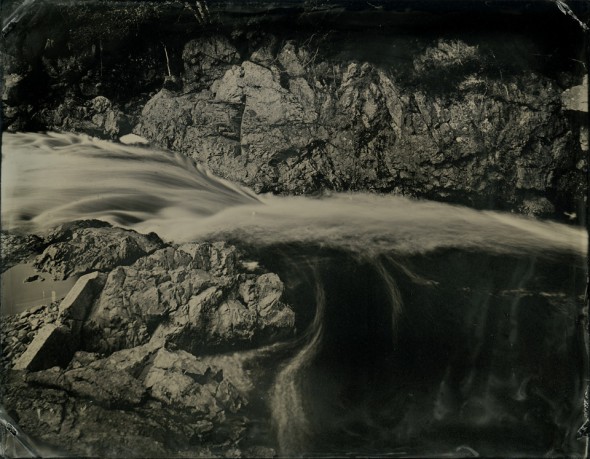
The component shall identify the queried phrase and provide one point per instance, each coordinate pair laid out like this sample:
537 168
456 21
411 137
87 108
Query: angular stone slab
53 346
77 303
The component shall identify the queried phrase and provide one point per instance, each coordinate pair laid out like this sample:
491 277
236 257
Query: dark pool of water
23 287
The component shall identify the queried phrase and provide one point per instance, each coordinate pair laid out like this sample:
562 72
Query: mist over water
427 328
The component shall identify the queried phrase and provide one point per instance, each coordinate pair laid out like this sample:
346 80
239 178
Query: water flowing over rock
229 209
446 117
200 297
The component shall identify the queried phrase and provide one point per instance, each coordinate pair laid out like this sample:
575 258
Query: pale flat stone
77 303
133 139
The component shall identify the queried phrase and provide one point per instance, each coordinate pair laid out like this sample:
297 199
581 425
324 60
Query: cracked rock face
196 297
140 401
292 123
81 247
145 378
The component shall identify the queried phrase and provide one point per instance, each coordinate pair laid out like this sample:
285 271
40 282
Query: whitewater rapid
49 179
355 294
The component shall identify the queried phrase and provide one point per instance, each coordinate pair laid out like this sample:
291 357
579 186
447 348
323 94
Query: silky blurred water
48 179
427 329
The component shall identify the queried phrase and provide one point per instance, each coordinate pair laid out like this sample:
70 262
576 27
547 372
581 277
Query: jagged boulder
81 247
297 123
197 297
134 401
143 401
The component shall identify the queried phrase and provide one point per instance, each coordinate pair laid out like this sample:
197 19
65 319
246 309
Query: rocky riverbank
169 350
285 101
132 360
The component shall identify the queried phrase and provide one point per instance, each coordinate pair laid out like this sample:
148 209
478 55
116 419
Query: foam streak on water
48 179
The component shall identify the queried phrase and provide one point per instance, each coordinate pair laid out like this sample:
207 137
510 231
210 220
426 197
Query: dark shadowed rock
97 117
53 345
206 59
16 248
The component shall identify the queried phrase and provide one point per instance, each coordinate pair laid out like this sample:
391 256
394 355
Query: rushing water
429 329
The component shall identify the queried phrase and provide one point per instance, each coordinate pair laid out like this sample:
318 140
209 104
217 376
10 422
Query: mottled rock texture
196 297
84 246
17 331
296 127
127 364
304 102
137 402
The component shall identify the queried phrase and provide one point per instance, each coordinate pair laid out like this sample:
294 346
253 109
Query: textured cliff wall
304 100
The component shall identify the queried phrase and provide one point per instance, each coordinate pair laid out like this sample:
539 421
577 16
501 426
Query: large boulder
81 247
140 401
296 123
197 297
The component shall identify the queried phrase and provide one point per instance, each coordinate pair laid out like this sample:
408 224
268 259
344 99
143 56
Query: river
426 328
